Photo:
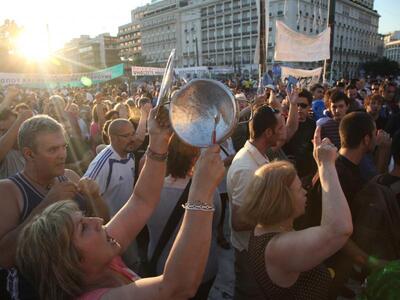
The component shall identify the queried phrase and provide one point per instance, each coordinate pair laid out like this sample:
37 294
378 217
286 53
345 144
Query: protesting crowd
100 199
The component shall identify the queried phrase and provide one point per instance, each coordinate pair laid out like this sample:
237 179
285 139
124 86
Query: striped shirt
115 177
330 129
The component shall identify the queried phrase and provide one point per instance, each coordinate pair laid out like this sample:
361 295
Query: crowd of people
101 200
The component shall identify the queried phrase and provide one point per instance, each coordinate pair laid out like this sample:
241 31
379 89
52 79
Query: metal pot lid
199 106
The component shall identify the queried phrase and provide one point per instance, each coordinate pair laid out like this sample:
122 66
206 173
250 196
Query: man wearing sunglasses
300 147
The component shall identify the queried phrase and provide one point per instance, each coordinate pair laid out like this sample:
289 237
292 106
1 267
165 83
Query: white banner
221 70
304 78
147 71
191 70
294 46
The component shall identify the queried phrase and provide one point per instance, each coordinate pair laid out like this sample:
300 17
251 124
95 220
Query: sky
68 19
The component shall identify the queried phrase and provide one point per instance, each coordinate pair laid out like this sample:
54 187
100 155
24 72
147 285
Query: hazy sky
72 18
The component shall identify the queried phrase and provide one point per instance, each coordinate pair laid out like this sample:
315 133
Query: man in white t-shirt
266 128
114 168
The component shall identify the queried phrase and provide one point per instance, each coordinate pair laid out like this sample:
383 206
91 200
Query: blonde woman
67 255
287 263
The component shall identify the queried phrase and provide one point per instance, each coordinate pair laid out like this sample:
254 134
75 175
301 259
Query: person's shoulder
323 121
99 163
10 194
7 184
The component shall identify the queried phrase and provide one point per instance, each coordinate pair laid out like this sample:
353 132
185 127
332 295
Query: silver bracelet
199 206
156 156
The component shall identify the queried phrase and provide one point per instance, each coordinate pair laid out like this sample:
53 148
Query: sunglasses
302 105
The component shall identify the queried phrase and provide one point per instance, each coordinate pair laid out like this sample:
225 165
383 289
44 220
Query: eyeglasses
302 105
127 135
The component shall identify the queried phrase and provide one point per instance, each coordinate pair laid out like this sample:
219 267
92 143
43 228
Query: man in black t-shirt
358 137
300 148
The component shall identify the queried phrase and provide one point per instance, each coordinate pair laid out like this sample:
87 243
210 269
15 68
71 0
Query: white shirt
115 177
240 173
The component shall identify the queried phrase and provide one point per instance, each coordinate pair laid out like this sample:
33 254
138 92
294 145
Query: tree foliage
382 67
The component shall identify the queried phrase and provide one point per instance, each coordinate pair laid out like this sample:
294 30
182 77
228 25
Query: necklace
46 187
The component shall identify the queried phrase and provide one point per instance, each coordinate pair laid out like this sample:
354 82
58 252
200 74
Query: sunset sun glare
33 45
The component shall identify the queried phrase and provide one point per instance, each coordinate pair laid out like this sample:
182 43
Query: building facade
86 54
225 32
392 46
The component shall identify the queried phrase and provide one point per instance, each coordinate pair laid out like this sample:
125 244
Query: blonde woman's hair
269 199
46 255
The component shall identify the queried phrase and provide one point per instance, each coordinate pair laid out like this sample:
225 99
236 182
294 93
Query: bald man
114 167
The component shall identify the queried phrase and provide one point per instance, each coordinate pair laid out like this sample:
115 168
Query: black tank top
310 285
18 287
31 197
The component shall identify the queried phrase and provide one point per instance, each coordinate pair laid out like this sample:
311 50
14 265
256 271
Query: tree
382 67
139 60
9 32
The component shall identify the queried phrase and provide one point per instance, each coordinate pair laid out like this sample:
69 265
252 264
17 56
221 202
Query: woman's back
170 194
310 285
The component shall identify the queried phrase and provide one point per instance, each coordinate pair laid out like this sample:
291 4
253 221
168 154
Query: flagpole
261 37
331 24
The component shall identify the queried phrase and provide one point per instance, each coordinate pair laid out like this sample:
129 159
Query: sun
33 45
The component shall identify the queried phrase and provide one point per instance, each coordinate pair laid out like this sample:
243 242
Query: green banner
51 81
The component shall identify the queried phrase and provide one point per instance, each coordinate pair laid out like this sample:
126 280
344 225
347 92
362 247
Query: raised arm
292 123
289 252
128 222
11 93
188 257
140 133
8 140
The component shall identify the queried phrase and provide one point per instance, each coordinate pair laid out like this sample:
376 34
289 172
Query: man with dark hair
373 106
354 102
338 107
358 137
318 105
300 147
388 90
266 128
